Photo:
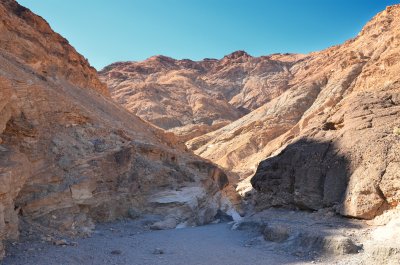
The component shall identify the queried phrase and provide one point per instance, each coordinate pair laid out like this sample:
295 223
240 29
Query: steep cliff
69 156
30 38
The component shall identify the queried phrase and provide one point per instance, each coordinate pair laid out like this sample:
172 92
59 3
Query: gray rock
61 242
133 213
169 223
116 252
306 242
99 145
276 233
158 251
249 226
64 162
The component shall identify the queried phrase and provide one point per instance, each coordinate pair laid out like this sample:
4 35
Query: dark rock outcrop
308 174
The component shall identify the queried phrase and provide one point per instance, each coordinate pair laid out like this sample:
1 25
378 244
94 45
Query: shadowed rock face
356 148
69 156
308 174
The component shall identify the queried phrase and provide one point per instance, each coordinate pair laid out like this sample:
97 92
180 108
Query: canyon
259 141
71 157
339 106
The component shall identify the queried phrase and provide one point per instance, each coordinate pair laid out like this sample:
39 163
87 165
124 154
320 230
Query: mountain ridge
192 97
290 97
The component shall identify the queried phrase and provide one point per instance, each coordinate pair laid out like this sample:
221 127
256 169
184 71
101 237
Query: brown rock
329 137
51 57
69 155
326 121
192 98
332 116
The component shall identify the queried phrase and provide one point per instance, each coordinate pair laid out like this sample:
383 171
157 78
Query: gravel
130 242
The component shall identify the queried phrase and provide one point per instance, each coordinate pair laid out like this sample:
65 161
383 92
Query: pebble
158 251
61 242
116 252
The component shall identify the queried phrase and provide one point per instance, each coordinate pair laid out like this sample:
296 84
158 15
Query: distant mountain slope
192 98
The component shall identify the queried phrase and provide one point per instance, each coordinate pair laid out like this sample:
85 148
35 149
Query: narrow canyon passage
269 159
128 243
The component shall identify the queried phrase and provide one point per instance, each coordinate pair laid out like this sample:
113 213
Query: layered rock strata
70 156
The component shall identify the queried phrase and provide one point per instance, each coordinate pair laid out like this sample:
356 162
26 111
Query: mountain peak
161 58
237 54
392 7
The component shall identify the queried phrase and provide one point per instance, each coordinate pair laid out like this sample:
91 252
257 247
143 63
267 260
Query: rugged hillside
30 38
329 119
332 134
193 98
69 156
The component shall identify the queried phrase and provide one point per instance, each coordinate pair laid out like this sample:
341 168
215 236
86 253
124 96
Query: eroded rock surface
325 237
69 156
331 136
332 116
30 38
192 98
328 119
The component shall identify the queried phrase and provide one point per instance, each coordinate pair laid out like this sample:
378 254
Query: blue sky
106 31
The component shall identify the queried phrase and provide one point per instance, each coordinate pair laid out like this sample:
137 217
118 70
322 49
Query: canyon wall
70 156
324 124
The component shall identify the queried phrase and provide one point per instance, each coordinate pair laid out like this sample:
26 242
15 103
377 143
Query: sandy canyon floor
128 243
133 242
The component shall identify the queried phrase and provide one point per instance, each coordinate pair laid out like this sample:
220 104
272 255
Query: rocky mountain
31 39
331 139
192 98
70 156
324 124
318 132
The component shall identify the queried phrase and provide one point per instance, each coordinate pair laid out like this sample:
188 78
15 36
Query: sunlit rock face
70 156
30 38
332 137
346 98
325 126
192 98
322 83
327 122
